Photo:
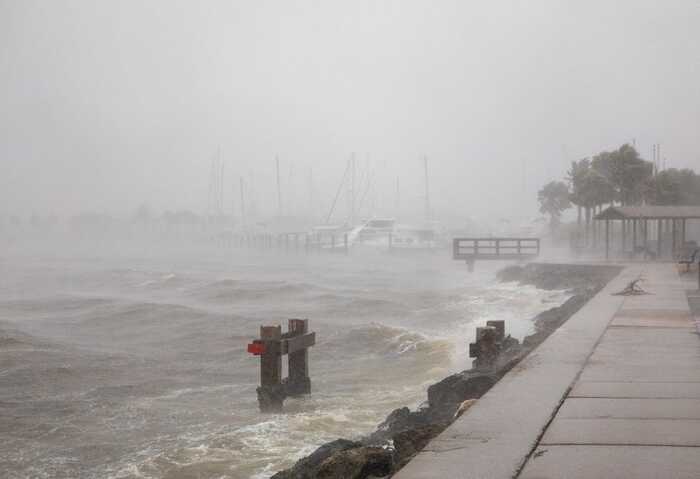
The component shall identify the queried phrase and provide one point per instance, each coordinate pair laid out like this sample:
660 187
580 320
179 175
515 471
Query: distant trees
621 176
675 187
554 199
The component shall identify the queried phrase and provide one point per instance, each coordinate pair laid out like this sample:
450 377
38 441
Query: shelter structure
657 232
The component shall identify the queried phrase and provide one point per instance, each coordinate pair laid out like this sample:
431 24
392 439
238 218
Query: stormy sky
106 105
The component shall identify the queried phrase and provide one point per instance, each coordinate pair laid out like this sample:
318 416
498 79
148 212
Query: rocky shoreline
404 432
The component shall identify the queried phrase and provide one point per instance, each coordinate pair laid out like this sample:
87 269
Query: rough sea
133 364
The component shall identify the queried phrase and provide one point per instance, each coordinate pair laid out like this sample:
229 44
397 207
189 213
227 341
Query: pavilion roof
649 212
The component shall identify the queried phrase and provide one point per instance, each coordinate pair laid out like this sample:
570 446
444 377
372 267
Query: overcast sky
105 105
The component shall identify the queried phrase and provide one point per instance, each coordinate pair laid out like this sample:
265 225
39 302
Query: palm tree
554 199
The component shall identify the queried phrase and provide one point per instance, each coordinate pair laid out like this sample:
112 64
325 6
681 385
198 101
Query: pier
472 249
614 393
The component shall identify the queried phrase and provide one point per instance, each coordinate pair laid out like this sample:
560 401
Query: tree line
619 177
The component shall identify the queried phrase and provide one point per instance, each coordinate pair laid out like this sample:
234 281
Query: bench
688 261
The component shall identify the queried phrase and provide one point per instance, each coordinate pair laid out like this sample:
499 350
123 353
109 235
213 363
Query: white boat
415 237
376 231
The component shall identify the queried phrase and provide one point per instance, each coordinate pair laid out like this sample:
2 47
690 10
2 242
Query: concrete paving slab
628 408
618 372
613 462
635 432
649 322
645 313
627 389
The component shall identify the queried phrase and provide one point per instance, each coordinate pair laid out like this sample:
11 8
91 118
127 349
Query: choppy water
136 368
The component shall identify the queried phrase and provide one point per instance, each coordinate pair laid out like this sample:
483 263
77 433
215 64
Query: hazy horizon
108 105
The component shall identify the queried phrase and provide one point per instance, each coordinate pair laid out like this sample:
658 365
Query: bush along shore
404 432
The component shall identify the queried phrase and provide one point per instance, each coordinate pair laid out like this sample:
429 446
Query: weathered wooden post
500 326
299 382
271 346
486 348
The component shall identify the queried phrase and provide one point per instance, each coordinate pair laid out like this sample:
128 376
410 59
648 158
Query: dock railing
471 249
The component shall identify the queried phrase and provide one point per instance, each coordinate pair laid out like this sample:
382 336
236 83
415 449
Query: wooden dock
471 249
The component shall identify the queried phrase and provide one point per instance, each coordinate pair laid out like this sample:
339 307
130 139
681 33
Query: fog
174 175
108 105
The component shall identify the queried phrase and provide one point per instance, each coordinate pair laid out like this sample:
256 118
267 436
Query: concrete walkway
614 393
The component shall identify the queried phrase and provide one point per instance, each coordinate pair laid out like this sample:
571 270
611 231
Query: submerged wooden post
298 382
271 346
500 326
486 348
345 242
271 392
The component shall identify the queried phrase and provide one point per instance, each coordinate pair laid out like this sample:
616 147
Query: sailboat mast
242 202
279 188
427 191
352 190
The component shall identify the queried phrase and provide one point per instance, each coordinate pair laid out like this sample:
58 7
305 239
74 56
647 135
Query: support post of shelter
646 239
674 239
683 233
624 236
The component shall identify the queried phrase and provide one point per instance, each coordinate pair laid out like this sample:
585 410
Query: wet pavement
614 393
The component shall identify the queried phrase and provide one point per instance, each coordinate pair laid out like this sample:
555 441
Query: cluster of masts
358 182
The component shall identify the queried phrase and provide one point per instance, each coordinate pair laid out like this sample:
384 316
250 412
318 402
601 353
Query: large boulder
453 390
357 463
307 467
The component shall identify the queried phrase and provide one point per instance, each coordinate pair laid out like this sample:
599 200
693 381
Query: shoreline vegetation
404 433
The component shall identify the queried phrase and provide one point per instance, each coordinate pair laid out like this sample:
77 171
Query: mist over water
118 365
140 140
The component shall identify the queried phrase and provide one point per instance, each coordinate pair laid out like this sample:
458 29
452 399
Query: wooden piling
271 392
298 382
271 346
